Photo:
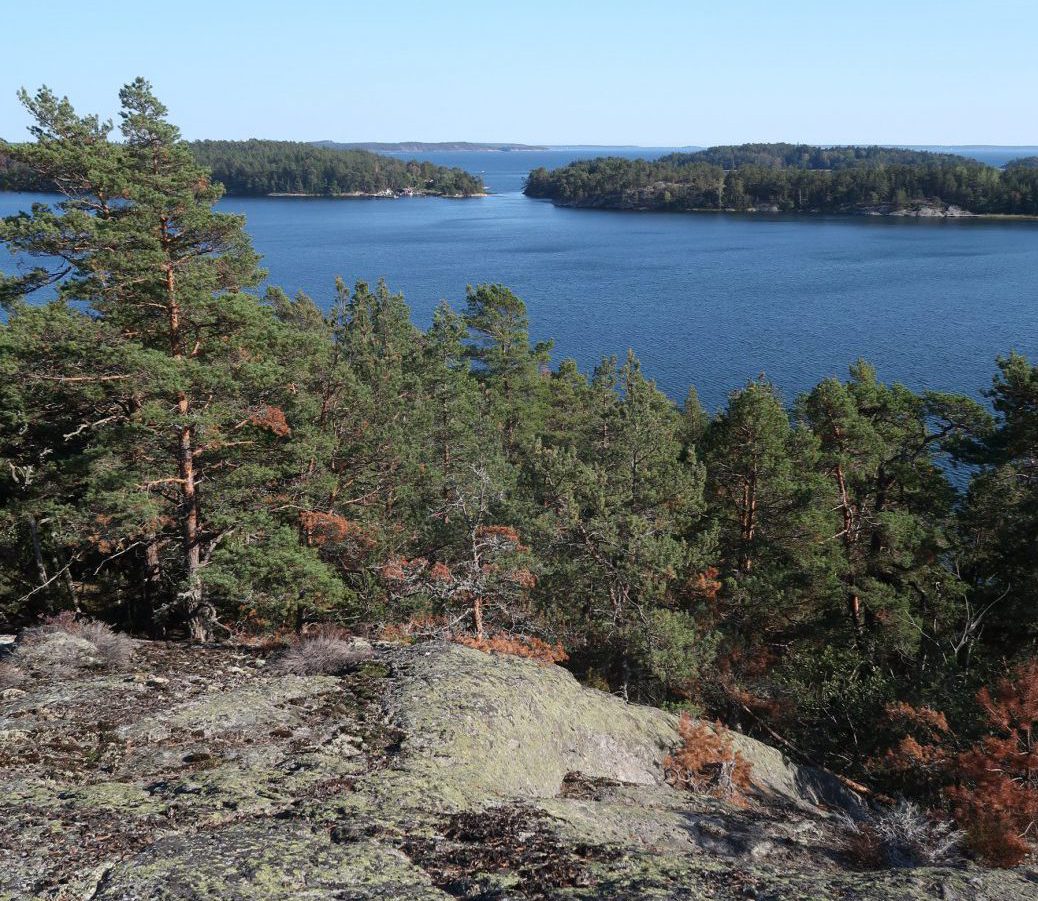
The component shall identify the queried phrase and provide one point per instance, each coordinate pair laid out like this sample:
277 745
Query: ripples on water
710 300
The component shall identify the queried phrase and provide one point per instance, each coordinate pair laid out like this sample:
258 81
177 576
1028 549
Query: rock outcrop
431 771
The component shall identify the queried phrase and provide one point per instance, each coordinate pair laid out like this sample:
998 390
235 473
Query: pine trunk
200 616
477 615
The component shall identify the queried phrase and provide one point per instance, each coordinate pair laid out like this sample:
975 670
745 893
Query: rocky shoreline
386 194
657 198
640 203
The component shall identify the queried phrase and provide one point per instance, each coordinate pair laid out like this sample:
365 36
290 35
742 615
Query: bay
711 299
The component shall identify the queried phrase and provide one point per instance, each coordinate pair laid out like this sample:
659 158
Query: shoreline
859 213
357 195
363 195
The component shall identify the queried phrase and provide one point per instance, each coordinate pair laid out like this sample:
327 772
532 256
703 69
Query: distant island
427 146
799 178
258 168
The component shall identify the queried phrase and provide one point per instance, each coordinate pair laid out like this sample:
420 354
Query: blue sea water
708 299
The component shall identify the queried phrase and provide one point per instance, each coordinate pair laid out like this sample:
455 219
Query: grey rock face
509 727
432 771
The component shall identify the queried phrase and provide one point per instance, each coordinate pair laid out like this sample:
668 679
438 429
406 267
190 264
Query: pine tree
998 524
772 507
752 472
161 356
506 363
625 523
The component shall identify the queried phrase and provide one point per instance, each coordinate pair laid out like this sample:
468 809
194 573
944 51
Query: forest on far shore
185 456
794 178
257 168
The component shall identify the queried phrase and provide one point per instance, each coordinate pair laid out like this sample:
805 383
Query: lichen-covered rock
257 707
434 771
269 861
479 727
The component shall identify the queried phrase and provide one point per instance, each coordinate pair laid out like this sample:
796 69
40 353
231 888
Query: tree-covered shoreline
257 168
795 179
182 456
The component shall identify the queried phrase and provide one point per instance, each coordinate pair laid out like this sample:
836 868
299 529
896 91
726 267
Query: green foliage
259 168
792 178
677 652
179 454
999 520
624 527
267 579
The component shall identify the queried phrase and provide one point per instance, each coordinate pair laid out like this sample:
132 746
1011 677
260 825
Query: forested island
258 168
428 146
796 178
188 456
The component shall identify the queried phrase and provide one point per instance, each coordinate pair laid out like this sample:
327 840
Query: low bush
903 835
995 797
706 762
414 629
990 781
110 649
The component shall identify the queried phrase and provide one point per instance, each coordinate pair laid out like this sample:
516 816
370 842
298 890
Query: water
710 300
505 172
993 156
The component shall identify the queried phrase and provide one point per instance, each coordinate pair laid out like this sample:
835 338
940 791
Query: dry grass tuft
94 641
903 836
10 675
321 653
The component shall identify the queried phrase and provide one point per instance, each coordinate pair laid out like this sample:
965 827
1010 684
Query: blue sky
652 72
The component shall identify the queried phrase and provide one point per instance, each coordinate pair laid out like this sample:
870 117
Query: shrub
111 649
321 652
991 783
706 762
262 642
516 645
902 836
996 798
417 627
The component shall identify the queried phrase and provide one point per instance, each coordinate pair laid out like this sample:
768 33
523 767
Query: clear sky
650 72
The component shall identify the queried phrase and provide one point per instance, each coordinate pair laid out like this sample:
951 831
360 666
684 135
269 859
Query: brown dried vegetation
991 785
996 798
527 646
706 762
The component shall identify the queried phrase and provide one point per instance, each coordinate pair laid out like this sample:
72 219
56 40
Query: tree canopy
793 178
182 456
257 168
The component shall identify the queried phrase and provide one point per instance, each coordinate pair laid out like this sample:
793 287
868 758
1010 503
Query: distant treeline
258 168
794 178
425 146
